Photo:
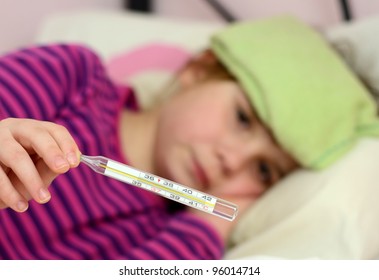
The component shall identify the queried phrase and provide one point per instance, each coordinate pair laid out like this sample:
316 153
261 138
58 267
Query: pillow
110 32
148 69
331 214
358 44
139 50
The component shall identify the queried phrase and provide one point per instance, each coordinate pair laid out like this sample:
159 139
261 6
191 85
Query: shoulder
53 53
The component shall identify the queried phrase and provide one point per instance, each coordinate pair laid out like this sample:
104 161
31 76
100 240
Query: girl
57 102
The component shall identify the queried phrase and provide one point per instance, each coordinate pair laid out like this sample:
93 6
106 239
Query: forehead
230 87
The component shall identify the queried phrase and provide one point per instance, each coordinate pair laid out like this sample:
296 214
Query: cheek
179 134
195 122
181 129
241 186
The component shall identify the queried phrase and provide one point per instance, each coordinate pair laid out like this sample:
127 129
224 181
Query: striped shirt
89 216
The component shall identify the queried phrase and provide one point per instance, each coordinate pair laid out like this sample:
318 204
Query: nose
234 156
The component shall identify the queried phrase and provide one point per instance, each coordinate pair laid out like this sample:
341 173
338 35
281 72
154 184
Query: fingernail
22 206
44 195
72 158
60 163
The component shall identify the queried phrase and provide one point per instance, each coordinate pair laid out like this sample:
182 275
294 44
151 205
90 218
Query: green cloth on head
299 87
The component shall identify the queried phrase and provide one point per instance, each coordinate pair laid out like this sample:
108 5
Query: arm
192 234
185 236
37 84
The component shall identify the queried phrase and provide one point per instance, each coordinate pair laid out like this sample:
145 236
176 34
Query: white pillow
332 214
110 32
358 44
121 38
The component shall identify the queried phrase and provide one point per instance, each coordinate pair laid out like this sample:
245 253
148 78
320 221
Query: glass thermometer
161 186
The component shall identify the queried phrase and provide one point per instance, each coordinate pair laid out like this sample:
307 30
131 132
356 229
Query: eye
266 173
243 118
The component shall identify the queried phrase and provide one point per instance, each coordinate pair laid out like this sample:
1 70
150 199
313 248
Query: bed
331 214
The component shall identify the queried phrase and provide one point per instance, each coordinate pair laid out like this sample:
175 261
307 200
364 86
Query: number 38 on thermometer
161 186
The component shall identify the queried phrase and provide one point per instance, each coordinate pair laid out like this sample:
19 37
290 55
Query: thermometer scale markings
160 186
166 188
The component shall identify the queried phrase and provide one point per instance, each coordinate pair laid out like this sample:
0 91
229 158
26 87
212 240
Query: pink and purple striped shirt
89 216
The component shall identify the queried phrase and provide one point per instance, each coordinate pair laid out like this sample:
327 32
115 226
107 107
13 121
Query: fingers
9 196
36 153
18 160
65 142
18 201
53 143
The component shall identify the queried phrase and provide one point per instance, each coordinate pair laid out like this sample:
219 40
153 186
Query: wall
365 8
20 19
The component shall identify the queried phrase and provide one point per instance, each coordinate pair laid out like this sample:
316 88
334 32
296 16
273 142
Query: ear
196 69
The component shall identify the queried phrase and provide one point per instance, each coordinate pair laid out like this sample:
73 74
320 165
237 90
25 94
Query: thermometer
166 188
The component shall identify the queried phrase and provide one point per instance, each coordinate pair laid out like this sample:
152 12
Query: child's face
210 139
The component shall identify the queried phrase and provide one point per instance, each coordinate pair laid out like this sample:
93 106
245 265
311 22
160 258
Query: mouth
200 174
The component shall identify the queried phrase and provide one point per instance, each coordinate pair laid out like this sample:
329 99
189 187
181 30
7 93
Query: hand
32 154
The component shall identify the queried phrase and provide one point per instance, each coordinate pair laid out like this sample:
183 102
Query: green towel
303 92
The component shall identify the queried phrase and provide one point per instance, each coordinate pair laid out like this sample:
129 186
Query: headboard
148 6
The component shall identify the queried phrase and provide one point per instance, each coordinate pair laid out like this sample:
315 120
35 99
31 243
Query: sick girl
57 103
